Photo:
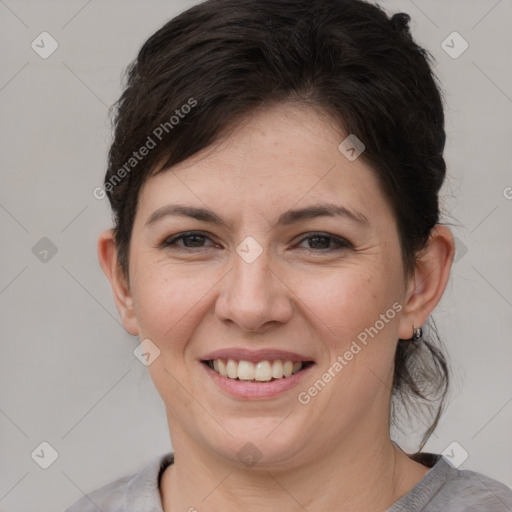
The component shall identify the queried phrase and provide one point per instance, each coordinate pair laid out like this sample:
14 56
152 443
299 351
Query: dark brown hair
221 59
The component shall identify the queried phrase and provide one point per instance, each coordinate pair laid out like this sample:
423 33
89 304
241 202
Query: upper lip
243 354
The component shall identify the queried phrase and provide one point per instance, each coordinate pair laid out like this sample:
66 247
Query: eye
322 242
317 241
191 240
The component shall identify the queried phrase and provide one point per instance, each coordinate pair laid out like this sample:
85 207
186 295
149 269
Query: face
257 283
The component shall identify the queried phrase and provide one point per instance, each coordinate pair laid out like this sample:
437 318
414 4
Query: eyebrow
287 218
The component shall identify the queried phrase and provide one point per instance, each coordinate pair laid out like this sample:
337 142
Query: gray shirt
442 489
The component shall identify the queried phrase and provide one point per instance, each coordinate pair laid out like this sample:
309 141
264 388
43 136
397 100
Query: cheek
168 300
356 312
346 301
169 305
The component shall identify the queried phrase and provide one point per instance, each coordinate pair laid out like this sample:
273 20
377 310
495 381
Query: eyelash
340 242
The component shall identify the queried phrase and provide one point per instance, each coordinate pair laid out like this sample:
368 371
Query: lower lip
255 390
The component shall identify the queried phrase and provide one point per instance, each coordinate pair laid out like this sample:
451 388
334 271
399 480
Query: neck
353 477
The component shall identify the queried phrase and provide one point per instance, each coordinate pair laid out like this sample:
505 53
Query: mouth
262 374
256 371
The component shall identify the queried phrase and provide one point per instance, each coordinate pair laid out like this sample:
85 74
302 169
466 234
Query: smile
260 371
248 374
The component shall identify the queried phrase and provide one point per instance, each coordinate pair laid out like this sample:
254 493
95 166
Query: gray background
68 373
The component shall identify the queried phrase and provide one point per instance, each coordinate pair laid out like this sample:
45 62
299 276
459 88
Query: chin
260 443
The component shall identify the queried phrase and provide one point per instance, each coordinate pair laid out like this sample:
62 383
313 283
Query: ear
426 286
107 255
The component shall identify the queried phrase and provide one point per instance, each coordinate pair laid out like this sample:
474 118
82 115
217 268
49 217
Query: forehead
282 156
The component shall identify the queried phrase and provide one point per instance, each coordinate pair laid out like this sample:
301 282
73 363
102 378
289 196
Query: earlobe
107 256
427 285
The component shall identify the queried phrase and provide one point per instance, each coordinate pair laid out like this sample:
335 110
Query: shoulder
447 489
468 490
109 498
138 492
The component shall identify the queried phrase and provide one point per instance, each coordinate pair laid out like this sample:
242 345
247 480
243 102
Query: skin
295 296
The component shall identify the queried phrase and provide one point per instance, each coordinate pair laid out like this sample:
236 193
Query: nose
254 296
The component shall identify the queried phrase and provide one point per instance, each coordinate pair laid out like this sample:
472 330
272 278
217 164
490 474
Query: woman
274 179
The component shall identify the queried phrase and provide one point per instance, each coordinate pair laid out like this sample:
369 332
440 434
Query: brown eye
326 242
190 240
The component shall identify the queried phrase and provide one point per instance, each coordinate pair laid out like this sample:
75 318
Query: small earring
417 336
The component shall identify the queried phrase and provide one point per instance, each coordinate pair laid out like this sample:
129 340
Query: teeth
277 369
262 371
222 367
245 370
232 369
